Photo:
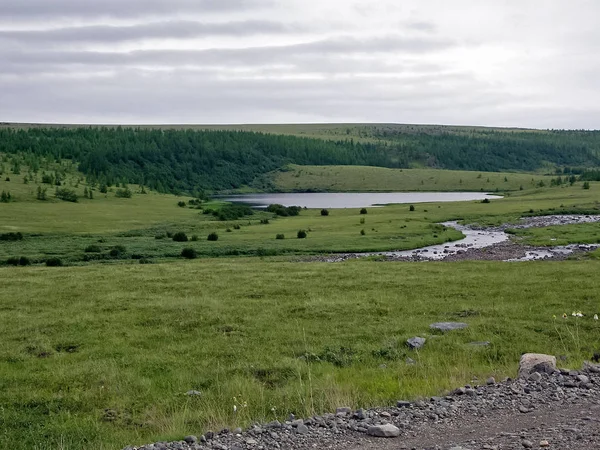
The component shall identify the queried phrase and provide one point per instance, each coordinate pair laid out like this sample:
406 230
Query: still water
354 199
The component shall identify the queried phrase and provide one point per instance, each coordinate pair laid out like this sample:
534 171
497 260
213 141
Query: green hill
195 158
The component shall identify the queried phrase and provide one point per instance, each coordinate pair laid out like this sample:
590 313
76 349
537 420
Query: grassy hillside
374 179
192 160
107 359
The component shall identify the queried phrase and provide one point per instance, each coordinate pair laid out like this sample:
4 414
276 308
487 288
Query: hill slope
173 160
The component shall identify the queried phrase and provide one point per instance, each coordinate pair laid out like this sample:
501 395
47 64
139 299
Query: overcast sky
525 63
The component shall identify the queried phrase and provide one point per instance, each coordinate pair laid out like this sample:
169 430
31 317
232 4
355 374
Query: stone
480 343
583 378
343 410
410 361
544 443
535 377
302 429
388 430
448 326
190 439
251 441
360 414
415 343
402 404
527 444
490 381
237 431
536 362
193 393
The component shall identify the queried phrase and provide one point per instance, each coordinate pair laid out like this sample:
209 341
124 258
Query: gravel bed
561 409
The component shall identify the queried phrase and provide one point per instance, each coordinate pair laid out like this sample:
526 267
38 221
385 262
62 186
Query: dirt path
574 426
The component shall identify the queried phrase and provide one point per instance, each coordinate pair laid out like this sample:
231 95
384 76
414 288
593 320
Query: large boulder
536 362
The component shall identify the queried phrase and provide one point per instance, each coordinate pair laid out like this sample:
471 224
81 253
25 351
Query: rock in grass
536 362
415 343
388 430
448 326
190 439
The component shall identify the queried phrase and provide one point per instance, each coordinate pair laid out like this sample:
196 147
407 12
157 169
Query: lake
353 199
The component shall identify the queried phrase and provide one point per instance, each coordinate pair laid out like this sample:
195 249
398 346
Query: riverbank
486 244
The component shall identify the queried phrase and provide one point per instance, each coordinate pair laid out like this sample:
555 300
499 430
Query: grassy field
99 357
372 179
585 233
140 226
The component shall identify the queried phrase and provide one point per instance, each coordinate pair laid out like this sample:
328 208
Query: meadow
99 357
103 353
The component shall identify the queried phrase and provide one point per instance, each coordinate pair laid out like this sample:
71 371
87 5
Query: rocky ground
556 410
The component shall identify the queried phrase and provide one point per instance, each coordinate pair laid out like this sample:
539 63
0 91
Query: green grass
98 357
371 179
585 233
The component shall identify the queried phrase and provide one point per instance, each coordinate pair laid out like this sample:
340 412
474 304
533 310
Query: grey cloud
176 29
251 56
86 9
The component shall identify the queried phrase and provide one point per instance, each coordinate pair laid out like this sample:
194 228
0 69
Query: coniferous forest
170 160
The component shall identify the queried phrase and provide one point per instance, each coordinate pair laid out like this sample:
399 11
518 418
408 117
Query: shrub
11 236
363 211
12 261
362 232
213 236
92 249
54 262
117 251
5 197
194 237
362 220
301 234
411 208
189 253
586 185
144 261
66 195
160 236
264 221
228 230
233 212
280 236
24 261
180 236
324 212
124 193
181 204
485 200
284 211
236 227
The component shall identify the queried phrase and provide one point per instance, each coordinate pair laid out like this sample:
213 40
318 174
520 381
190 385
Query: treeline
197 160
183 160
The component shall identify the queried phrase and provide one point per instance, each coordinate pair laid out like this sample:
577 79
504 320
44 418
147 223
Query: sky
517 63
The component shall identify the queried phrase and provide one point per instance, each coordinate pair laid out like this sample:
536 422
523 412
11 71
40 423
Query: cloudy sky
527 63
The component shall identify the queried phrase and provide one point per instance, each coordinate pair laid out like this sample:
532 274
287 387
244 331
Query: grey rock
415 343
402 404
479 343
343 410
535 376
583 378
302 429
360 414
490 381
190 439
387 430
237 431
193 393
527 444
448 326
536 362
410 361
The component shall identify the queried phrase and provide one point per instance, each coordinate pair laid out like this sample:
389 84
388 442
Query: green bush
144 261
181 204
236 227
324 212
13 261
194 238
66 195
24 261
264 221
284 211
363 211
233 212
301 234
54 262
92 249
485 200
11 236
213 236
586 185
411 208
362 232
117 251
280 236
124 193
180 236
189 253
